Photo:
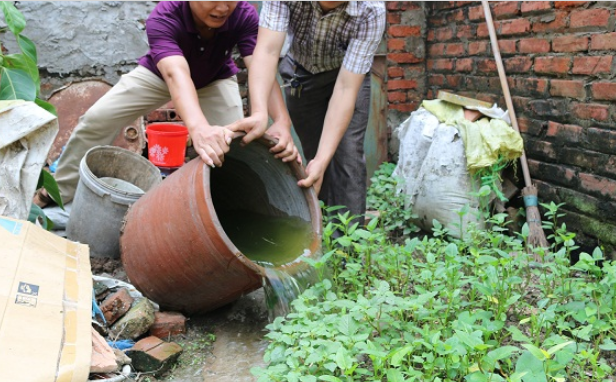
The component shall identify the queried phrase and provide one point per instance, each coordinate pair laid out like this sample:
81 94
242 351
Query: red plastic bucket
167 144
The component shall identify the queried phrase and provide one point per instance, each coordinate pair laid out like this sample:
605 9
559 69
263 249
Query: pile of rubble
130 335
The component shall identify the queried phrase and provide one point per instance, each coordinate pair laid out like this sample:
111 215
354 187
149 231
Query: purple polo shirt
171 31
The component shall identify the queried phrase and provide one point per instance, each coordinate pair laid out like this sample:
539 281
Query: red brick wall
406 74
559 59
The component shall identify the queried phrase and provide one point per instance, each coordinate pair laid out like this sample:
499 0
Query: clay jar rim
313 206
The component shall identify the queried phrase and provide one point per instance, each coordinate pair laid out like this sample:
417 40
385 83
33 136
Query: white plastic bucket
111 180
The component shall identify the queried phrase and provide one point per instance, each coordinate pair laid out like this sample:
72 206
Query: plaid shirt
347 36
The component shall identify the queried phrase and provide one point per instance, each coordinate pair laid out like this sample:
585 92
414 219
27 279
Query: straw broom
536 236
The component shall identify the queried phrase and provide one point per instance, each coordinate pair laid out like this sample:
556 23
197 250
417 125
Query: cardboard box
45 305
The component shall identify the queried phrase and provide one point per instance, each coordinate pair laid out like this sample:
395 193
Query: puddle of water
236 351
240 343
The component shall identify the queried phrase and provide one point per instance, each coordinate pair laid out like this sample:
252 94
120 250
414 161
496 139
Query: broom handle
505 86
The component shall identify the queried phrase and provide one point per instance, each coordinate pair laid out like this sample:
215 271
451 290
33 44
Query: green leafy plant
434 308
384 196
19 80
19 74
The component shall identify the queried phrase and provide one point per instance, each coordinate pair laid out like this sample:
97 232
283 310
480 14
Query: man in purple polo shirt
189 62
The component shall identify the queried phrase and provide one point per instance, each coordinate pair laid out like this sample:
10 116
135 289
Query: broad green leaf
556 348
512 300
517 335
540 354
293 376
397 356
308 378
484 289
495 378
583 332
344 241
430 258
483 377
608 345
525 230
330 366
394 375
471 340
451 250
342 359
487 259
517 377
52 109
531 367
503 352
14 19
23 62
49 183
28 48
372 224
16 84
363 234
329 378
476 377
314 357
347 326
484 191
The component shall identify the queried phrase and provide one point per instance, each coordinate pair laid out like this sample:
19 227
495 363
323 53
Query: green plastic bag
484 140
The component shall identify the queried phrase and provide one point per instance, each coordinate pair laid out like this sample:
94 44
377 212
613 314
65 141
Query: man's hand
285 149
314 175
211 143
254 127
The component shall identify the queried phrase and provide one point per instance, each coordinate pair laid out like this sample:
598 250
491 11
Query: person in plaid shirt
332 45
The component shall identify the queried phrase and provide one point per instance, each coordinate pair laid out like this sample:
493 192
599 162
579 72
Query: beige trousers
136 94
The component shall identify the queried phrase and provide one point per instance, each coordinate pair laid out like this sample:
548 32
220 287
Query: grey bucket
111 179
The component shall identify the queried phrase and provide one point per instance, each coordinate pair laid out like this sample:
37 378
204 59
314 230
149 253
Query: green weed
434 308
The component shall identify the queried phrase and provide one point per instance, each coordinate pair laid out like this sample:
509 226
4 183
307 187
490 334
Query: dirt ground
219 346
238 330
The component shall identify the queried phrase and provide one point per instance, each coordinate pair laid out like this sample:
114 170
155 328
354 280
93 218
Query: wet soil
222 345
219 346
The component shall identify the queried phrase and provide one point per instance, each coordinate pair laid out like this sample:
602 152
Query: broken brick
103 358
152 354
116 305
167 324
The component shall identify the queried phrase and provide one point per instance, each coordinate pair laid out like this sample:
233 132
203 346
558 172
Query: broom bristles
536 236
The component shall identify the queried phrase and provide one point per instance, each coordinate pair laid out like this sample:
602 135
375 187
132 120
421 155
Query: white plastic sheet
27 133
432 164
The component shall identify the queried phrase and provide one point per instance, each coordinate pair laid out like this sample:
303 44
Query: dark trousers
344 183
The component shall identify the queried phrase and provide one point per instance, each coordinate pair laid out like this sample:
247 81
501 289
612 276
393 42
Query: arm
210 142
281 128
339 113
261 79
